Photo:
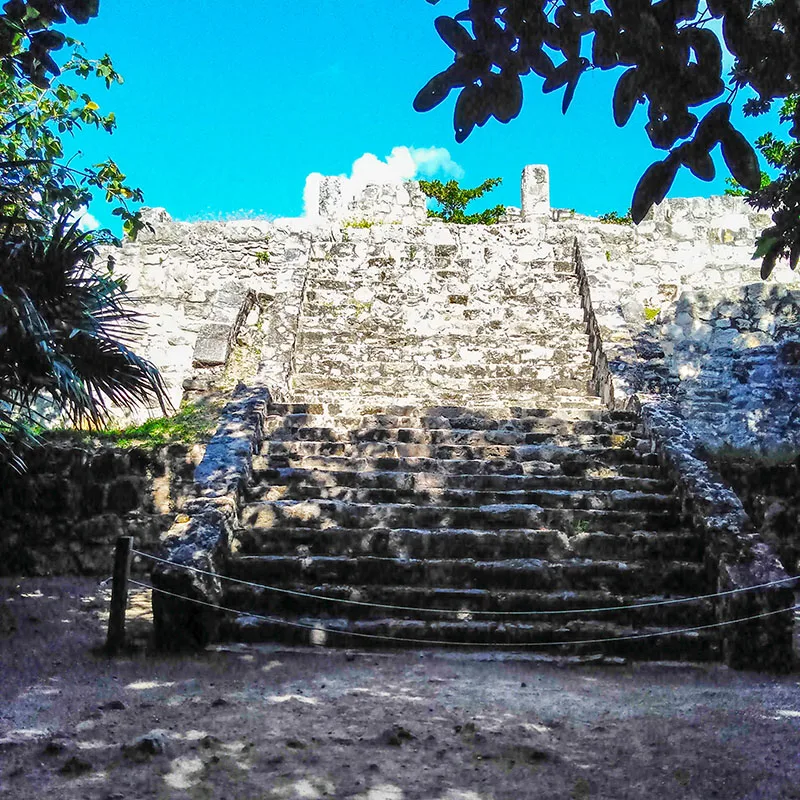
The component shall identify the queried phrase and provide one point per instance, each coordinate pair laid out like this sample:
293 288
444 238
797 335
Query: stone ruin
674 307
483 425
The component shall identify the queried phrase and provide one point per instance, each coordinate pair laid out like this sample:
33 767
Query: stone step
377 427
514 418
461 604
616 500
421 481
558 349
482 341
568 327
554 301
491 365
486 545
444 457
352 401
576 574
537 283
333 513
310 363
577 465
371 445
666 644
447 386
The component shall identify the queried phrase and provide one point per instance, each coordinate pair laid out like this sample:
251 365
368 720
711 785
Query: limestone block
213 345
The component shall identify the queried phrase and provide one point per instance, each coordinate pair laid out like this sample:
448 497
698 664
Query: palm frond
66 331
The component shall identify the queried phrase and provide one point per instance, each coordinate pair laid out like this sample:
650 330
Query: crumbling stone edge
201 535
735 554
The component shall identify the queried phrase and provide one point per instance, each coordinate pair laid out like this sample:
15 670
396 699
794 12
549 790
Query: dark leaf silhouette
432 93
653 187
625 96
700 163
741 159
540 63
453 35
560 76
713 126
507 91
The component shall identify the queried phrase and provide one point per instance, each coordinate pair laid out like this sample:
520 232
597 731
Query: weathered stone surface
200 538
366 304
735 555
213 345
535 191
673 305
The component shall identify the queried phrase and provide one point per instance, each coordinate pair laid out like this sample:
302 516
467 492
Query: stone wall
198 285
332 199
675 305
64 514
678 309
770 493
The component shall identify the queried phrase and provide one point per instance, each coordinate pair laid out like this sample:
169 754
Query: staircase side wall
693 327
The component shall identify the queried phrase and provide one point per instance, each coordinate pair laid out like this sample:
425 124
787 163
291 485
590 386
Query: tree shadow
732 362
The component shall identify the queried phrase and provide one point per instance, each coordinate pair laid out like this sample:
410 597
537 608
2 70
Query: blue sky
224 112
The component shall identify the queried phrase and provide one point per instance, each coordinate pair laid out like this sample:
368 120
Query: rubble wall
63 516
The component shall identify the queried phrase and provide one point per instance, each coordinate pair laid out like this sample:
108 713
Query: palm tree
65 333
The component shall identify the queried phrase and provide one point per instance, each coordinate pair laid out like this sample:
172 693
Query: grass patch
192 424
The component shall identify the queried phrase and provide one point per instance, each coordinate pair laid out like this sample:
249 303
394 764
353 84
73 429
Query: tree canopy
66 325
671 56
40 106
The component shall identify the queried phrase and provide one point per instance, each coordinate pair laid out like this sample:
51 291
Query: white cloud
402 164
88 222
432 160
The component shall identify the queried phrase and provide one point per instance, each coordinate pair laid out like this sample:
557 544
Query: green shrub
453 201
616 218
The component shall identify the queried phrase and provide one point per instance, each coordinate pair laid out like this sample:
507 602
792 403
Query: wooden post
119 595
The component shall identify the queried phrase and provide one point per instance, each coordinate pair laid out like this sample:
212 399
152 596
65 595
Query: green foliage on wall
453 201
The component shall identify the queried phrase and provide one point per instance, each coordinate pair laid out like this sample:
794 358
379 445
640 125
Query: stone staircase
440 327
443 464
505 511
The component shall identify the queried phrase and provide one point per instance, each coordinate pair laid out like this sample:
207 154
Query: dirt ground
268 722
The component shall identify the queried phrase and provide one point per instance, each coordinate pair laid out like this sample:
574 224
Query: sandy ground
267 722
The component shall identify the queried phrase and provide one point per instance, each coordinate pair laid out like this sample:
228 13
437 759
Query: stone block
102 529
213 346
125 494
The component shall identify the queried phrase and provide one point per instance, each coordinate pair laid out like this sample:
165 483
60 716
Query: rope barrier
466 644
389 607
